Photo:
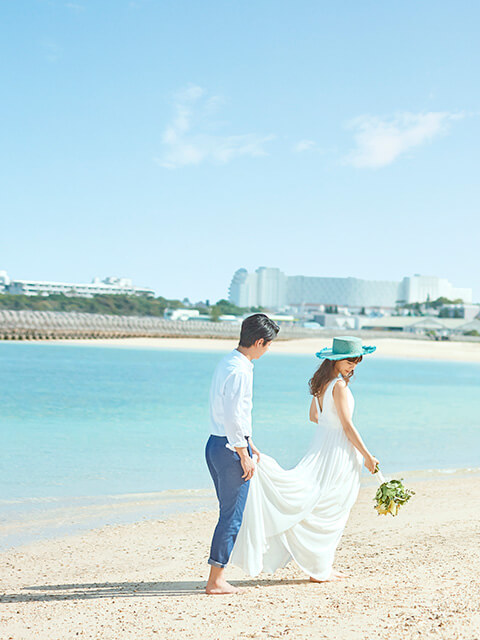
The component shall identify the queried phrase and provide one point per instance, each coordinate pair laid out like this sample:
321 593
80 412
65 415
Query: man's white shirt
231 399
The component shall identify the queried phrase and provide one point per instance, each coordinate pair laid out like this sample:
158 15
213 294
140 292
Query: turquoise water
92 421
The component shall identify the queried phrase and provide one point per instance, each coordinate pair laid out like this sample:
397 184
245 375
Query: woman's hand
371 463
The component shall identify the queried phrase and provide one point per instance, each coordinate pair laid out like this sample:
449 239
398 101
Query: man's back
231 397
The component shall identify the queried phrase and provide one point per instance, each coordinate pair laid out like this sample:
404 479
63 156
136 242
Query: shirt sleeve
237 393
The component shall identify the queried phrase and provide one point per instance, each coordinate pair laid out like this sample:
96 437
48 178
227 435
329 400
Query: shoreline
404 348
32 520
146 580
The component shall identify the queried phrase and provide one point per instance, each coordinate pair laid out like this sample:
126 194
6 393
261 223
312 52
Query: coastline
404 348
146 580
26 521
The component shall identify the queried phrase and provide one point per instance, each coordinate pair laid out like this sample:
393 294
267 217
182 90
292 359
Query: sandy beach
386 347
414 576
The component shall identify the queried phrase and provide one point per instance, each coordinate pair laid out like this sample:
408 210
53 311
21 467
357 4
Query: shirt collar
243 358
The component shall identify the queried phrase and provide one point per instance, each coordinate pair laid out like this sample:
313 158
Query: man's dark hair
258 327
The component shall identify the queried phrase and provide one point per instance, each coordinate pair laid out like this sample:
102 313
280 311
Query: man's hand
247 463
255 451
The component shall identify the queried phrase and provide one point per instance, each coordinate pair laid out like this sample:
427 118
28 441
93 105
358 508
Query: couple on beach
269 515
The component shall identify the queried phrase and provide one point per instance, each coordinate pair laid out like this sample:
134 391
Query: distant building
337 320
243 288
466 311
266 284
271 288
422 288
413 324
181 314
4 281
349 292
470 328
109 285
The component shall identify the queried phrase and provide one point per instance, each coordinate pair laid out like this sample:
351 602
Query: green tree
102 304
215 313
228 308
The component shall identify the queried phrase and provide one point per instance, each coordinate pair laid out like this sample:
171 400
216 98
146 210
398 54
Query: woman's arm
340 397
313 411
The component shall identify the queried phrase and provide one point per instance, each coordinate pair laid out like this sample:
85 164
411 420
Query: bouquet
390 495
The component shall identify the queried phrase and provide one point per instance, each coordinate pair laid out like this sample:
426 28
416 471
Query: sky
175 141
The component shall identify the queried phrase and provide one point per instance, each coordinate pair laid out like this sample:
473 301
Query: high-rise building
350 292
422 288
271 288
243 288
266 284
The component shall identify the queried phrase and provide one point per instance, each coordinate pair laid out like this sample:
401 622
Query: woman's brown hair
325 374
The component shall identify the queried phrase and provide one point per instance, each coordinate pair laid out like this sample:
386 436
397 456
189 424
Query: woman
300 513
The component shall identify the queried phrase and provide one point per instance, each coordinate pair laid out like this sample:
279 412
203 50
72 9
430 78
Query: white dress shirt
231 399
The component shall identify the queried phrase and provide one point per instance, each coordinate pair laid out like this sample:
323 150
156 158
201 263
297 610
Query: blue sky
175 141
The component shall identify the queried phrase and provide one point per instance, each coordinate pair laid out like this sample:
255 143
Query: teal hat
346 347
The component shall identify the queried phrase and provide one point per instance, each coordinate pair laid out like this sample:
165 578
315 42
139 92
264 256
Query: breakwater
57 325
62 325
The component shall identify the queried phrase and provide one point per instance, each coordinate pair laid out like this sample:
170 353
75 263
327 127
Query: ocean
85 427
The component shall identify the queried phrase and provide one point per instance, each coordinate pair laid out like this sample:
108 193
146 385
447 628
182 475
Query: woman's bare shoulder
339 386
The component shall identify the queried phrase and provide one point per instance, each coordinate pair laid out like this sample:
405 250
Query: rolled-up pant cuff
214 563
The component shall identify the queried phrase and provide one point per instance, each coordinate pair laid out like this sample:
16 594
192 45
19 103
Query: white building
272 289
266 284
422 288
181 314
107 286
466 311
350 292
243 288
4 281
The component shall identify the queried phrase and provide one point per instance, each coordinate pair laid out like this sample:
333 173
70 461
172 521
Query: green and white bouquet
391 495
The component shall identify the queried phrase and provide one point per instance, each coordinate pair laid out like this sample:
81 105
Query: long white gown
300 514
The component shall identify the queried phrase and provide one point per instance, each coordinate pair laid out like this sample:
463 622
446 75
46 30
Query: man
230 448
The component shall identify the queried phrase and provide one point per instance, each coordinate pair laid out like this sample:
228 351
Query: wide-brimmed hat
345 347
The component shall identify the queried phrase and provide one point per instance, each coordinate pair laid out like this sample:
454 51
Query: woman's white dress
299 514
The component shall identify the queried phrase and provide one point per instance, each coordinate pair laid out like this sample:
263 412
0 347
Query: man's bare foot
219 588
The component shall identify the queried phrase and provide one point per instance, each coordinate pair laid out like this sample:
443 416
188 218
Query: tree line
116 304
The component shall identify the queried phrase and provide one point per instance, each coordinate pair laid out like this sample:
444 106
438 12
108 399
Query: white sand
386 347
414 576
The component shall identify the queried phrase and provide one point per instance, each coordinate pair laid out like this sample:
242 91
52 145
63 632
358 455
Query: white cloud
192 93
52 50
189 138
74 6
379 142
304 145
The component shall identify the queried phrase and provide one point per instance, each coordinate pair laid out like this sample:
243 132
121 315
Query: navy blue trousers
226 471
